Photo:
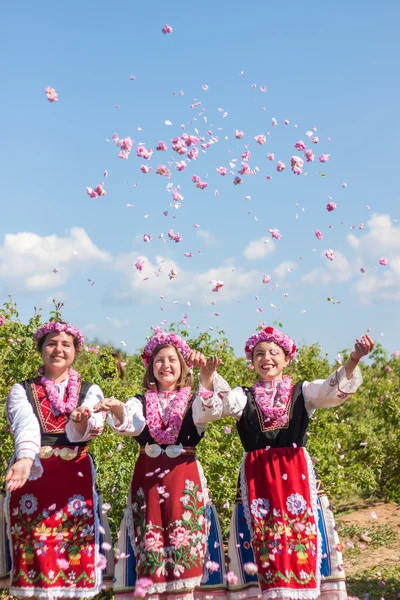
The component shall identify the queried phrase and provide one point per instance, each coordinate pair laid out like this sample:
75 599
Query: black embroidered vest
254 435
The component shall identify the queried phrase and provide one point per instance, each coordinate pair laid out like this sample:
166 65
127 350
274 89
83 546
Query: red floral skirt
280 503
167 521
53 528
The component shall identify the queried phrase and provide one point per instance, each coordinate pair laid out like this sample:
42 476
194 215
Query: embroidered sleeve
134 421
234 403
25 428
221 402
333 391
95 423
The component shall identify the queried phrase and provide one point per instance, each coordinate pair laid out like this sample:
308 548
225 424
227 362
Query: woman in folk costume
282 540
51 503
169 550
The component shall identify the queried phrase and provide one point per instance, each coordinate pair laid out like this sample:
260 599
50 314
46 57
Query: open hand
362 347
80 414
18 474
106 404
196 358
207 371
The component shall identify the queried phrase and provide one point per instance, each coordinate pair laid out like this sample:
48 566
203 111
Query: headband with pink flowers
269 334
168 339
59 327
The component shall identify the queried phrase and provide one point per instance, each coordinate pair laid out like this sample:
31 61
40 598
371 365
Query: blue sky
330 67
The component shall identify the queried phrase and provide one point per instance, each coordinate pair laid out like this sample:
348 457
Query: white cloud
153 282
119 323
336 271
378 284
382 238
57 296
259 248
205 235
281 271
237 282
27 260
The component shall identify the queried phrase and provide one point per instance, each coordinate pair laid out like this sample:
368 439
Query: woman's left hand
196 358
207 371
362 347
106 404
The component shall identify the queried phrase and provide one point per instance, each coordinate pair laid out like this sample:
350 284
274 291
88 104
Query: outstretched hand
207 371
106 404
362 347
196 358
18 474
112 405
80 414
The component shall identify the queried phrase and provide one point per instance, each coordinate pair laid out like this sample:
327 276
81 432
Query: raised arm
333 391
215 399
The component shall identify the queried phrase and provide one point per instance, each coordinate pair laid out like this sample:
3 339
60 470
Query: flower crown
55 326
170 339
269 334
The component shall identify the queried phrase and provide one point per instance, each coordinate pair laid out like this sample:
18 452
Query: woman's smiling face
269 360
167 368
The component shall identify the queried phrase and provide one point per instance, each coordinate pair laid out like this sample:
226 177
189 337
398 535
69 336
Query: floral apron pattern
283 524
168 526
54 533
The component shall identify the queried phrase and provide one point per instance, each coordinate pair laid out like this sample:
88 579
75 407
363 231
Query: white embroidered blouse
321 393
25 427
134 421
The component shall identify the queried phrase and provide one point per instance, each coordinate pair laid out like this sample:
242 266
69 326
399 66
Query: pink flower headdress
269 334
54 326
170 339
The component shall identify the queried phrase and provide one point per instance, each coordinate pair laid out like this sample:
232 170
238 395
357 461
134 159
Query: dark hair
40 343
185 380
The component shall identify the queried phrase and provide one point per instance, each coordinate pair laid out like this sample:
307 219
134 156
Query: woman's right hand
80 414
18 474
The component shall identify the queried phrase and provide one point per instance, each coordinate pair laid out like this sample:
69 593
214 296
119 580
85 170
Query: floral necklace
273 401
166 433
57 404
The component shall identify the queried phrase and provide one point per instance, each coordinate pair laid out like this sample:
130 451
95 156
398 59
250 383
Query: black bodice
250 427
188 435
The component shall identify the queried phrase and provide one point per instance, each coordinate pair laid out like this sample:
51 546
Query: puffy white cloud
153 281
27 260
119 323
283 269
206 236
381 238
259 248
377 284
338 270
237 282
